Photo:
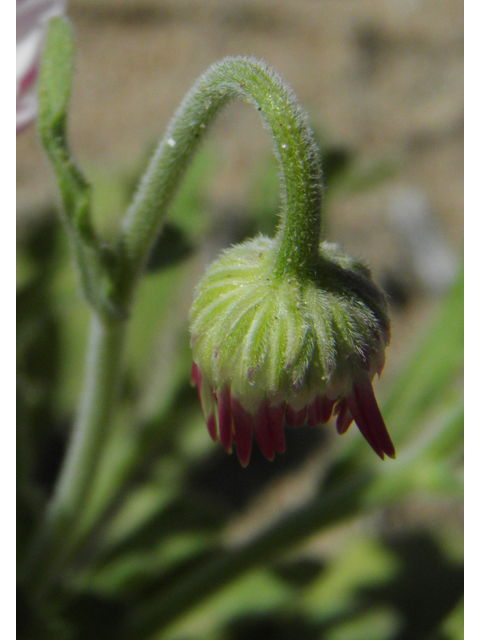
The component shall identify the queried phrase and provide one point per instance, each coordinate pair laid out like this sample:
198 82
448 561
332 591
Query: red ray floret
314 409
235 424
212 426
196 377
210 419
320 411
275 424
296 418
344 417
364 409
243 427
262 432
326 409
225 418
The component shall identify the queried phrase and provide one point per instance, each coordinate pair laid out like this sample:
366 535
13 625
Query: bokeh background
382 82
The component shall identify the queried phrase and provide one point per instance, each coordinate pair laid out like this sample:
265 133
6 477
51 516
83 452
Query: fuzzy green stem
56 537
255 83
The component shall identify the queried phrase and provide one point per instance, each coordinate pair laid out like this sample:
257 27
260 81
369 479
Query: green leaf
56 75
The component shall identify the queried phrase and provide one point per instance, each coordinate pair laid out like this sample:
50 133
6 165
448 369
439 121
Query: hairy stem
252 81
56 537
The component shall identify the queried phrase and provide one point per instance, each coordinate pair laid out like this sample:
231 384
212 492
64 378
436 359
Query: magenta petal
275 423
365 428
364 408
314 412
262 432
196 375
212 427
225 418
326 408
243 425
296 418
344 418
208 411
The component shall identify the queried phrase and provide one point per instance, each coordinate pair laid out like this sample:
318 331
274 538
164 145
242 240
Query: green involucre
286 338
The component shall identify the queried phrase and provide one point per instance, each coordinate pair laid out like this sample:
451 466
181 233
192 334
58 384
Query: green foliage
155 560
174 539
56 77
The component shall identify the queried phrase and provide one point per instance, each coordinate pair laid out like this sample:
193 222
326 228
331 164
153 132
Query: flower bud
269 348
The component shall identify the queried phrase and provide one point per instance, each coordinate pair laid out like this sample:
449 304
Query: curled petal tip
364 409
32 21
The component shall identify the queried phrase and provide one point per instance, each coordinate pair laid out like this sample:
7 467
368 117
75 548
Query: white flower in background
32 20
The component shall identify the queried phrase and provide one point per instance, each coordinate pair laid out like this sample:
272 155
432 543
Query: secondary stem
56 537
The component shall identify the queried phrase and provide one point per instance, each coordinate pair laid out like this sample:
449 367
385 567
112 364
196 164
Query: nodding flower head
270 348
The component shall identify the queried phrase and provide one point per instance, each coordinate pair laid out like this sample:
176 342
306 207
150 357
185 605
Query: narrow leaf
56 75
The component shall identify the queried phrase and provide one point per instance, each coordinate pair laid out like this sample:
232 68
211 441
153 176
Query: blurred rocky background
381 81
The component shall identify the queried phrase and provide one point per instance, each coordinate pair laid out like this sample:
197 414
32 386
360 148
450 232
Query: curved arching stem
255 83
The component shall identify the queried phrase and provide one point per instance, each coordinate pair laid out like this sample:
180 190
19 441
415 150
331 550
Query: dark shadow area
224 480
273 627
96 617
172 246
426 588
299 573
38 344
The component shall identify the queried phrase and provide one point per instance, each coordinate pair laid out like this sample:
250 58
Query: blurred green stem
56 537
